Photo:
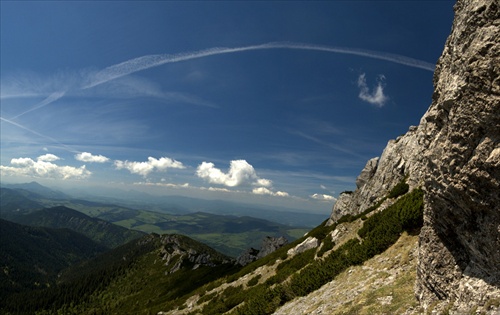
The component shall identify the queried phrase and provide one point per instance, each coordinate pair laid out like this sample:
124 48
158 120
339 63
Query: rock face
454 155
459 257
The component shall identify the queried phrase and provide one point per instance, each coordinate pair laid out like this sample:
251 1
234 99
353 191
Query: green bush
401 188
254 280
321 231
326 246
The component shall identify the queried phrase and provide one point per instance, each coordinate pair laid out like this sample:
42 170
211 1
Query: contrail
70 149
150 61
50 99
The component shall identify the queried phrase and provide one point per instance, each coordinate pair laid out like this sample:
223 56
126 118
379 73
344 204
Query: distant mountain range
176 204
230 234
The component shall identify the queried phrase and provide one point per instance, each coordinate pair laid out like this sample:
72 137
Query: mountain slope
178 275
137 277
102 232
14 202
38 189
31 257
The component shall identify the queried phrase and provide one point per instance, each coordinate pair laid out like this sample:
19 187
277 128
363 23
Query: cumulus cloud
240 173
43 167
375 97
48 157
323 197
89 157
152 164
266 191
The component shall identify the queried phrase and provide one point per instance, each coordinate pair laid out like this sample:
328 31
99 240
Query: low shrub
400 189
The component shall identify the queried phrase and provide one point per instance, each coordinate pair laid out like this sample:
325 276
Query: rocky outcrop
308 243
367 172
179 251
402 158
341 207
454 155
248 256
269 245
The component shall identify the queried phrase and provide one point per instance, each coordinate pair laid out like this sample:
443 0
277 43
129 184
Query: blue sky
279 103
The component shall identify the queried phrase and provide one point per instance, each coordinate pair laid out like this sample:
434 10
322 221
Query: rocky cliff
454 155
459 251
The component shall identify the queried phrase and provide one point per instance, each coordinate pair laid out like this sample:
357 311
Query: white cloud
145 168
323 197
218 189
89 157
377 96
266 191
264 182
48 157
240 173
163 184
43 167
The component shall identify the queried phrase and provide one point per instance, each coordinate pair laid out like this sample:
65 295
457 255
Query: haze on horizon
277 103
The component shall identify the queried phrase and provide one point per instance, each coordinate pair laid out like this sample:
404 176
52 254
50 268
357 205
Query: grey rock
308 243
459 254
341 207
269 245
367 172
249 256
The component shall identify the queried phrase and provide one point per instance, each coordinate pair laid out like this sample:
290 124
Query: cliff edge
459 246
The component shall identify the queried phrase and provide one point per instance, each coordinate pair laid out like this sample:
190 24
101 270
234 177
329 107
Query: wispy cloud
44 168
375 97
333 146
163 184
152 164
90 80
50 99
64 146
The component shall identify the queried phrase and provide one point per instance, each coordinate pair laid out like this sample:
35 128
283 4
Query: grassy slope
296 277
382 285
